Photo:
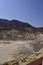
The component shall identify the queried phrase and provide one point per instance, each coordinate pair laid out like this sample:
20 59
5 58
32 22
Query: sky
30 11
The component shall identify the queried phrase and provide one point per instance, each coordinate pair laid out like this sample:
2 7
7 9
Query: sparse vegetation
16 63
6 42
23 60
5 64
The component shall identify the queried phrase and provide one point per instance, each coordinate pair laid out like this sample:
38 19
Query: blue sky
30 11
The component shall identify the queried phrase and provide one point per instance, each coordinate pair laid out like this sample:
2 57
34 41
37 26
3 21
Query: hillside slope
9 24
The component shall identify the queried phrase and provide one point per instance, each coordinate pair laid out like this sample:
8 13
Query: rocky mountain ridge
9 24
14 29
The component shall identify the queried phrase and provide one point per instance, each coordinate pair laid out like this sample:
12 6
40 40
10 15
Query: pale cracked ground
15 50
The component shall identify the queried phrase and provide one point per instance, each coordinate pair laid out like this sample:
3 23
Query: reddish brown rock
38 61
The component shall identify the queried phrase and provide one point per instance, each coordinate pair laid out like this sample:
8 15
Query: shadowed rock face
7 24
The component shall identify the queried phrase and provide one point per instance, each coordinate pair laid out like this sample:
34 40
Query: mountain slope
14 29
9 24
14 24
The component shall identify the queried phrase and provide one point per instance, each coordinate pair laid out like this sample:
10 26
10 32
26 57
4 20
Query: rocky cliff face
16 30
